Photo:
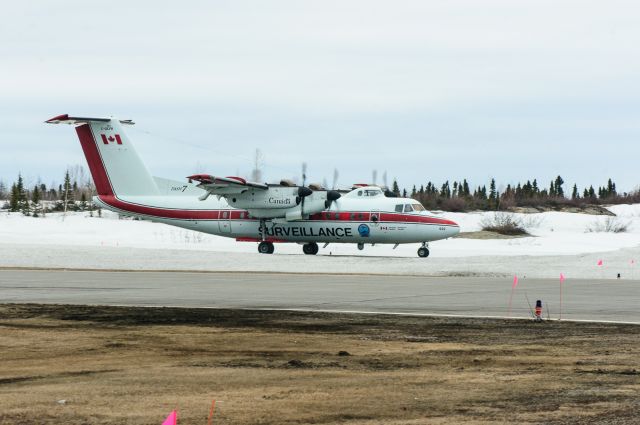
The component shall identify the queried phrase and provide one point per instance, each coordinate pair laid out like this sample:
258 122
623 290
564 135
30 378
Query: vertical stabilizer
114 163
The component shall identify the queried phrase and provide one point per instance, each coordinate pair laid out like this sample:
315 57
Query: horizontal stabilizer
66 119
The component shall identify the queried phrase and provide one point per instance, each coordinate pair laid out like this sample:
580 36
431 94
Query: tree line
74 194
77 190
458 196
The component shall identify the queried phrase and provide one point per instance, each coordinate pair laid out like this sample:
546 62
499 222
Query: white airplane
249 211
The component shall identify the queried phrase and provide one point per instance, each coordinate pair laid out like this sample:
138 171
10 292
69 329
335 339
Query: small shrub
504 224
608 225
454 205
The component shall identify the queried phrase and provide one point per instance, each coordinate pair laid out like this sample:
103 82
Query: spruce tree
465 188
23 202
14 200
395 188
611 188
558 186
574 194
65 192
492 202
35 199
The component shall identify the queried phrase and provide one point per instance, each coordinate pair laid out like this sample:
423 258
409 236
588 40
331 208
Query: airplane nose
454 228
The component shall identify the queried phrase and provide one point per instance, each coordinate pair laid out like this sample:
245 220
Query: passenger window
353 216
225 214
399 208
408 208
359 193
337 216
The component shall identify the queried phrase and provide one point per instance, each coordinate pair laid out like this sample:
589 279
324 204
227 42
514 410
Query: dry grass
118 365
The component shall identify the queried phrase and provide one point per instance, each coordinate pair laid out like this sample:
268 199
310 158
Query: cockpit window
399 208
372 192
359 193
408 208
418 207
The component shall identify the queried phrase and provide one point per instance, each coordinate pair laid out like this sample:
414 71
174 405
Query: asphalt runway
584 299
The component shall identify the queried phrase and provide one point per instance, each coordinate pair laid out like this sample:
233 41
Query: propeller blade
304 191
332 196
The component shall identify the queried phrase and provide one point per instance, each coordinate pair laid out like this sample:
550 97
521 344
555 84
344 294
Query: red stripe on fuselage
96 166
233 214
161 212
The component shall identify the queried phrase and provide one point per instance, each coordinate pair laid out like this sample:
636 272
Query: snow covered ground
559 243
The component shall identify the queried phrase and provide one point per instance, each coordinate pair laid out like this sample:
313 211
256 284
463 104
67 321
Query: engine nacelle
290 203
276 197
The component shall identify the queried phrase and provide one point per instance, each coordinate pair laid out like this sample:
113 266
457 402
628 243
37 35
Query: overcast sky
427 90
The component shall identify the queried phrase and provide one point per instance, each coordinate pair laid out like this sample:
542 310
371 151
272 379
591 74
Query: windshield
418 207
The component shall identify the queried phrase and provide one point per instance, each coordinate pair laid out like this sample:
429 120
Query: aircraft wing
225 185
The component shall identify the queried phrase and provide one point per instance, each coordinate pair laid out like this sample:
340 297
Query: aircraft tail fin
114 163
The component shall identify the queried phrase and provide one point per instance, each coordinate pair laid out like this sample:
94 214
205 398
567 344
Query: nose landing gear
423 251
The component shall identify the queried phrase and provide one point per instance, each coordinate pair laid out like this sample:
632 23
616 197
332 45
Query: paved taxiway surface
585 299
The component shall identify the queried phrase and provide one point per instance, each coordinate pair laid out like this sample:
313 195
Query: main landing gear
265 247
310 248
423 251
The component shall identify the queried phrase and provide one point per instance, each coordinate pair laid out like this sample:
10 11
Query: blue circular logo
363 229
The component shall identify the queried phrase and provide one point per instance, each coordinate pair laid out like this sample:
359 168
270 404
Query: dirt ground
121 365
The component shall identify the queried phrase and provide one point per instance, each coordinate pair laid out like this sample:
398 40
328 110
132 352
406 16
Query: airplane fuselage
347 221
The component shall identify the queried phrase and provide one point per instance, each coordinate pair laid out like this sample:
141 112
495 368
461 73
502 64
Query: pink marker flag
561 277
599 262
172 419
515 281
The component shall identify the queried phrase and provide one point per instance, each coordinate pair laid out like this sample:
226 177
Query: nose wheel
310 248
265 247
423 251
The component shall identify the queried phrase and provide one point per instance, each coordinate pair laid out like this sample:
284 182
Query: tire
310 248
423 252
265 248
360 246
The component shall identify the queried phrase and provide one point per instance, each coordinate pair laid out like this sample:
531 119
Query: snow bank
559 243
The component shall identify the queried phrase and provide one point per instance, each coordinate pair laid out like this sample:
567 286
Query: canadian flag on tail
112 138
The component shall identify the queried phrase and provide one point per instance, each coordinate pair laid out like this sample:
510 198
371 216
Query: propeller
375 177
387 192
335 178
303 191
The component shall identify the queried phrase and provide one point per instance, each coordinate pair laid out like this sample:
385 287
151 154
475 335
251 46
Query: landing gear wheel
360 246
265 248
310 248
423 252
